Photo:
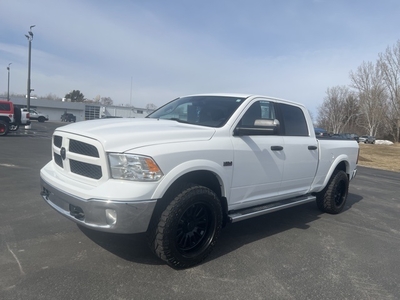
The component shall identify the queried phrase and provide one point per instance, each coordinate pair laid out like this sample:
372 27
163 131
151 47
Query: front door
258 163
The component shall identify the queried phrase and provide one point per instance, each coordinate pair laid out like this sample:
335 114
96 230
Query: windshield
212 111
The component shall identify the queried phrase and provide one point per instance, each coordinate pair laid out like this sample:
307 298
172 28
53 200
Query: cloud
293 50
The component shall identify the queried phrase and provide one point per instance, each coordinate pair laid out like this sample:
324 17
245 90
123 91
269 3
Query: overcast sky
143 51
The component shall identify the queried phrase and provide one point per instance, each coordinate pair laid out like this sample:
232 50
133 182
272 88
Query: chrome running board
246 213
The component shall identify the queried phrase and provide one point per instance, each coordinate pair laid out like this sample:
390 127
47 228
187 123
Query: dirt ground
385 157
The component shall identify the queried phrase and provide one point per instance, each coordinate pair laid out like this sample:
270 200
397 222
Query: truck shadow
134 247
130 247
236 235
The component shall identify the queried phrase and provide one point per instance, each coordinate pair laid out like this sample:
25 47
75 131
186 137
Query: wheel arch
341 163
206 178
5 119
342 166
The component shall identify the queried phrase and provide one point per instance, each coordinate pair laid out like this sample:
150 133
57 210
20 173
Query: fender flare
192 166
340 160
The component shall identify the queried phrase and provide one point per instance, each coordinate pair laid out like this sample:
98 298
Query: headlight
133 167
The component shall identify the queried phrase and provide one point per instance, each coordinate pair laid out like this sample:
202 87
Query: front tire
3 128
41 119
188 228
333 197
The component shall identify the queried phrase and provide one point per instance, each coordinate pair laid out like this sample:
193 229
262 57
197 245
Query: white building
82 110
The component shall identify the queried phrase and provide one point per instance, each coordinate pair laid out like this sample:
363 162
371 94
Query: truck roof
242 95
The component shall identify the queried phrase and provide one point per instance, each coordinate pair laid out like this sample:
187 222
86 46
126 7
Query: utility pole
8 82
28 93
130 97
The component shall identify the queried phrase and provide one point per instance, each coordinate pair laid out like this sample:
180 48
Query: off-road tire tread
325 198
157 236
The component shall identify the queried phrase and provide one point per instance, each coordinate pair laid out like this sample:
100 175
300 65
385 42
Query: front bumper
102 215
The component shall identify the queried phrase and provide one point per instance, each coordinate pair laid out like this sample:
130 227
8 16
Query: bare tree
339 107
368 81
389 62
51 96
106 101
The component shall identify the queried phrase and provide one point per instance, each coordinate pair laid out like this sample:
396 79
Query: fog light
111 216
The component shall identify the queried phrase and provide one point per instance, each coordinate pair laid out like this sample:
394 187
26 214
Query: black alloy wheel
332 198
186 231
192 234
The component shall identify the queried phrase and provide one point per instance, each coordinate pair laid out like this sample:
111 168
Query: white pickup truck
193 165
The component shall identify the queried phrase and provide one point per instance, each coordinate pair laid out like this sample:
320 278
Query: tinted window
258 110
5 106
213 111
293 120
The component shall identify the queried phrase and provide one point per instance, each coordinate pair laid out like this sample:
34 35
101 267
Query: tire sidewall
172 216
326 199
340 178
5 128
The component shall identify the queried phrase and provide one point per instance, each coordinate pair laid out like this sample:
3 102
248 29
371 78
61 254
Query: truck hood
121 135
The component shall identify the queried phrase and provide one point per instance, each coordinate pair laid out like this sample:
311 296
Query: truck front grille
85 169
83 148
57 140
79 156
58 160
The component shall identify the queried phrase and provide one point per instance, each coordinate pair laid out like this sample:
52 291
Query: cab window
294 121
258 110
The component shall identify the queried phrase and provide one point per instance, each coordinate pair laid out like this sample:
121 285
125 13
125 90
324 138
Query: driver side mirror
260 127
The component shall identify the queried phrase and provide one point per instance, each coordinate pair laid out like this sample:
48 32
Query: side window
293 120
258 110
267 110
5 106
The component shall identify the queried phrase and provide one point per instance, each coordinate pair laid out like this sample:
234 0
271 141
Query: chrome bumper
99 214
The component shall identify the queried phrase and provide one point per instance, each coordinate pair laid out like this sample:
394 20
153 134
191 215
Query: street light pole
28 94
8 82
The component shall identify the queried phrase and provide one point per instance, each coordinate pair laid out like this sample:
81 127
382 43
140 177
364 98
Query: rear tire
188 228
333 197
4 128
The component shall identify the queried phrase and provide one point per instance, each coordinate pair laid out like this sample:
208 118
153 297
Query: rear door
301 151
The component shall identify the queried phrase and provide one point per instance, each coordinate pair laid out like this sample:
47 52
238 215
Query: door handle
276 148
312 147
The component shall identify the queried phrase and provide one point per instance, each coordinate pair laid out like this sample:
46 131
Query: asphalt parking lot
298 253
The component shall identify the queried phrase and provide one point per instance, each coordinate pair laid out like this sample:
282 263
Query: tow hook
76 212
45 193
